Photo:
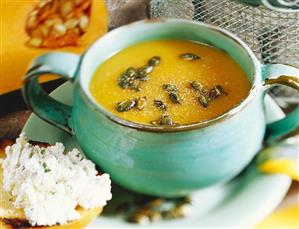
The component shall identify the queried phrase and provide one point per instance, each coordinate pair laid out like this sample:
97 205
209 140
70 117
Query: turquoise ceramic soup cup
158 160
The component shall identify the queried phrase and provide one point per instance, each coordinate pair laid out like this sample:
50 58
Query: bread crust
86 217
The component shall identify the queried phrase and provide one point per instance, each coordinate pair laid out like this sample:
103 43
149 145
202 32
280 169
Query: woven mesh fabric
272 35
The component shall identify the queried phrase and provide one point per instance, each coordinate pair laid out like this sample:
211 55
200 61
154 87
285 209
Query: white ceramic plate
242 202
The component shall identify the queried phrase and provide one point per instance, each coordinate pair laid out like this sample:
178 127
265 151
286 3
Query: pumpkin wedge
33 27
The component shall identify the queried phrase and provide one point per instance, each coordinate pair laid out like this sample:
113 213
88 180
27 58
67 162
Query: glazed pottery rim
174 128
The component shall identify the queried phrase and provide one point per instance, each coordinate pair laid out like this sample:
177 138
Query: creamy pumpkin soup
169 82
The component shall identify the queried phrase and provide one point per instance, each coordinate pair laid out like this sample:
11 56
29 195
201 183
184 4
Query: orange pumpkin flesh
16 51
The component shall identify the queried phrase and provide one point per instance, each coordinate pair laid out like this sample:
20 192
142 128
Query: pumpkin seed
147 209
71 23
189 56
175 97
196 86
127 79
201 93
59 29
203 100
132 77
141 103
145 70
170 87
135 85
126 105
123 80
35 42
178 211
160 104
83 23
166 120
131 72
173 92
149 212
144 78
66 8
32 22
154 61
216 92
127 82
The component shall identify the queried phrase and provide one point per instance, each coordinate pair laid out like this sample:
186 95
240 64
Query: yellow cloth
284 166
284 218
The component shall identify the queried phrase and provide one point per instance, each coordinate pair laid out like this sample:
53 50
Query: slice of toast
11 218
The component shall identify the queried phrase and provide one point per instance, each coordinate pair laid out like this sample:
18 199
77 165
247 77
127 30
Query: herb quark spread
43 179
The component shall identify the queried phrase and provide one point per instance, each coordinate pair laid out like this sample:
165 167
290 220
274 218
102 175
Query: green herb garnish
46 168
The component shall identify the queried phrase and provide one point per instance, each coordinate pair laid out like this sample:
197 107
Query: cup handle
285 75
62 64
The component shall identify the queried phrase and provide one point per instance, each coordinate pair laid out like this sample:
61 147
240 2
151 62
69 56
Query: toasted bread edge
86 217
